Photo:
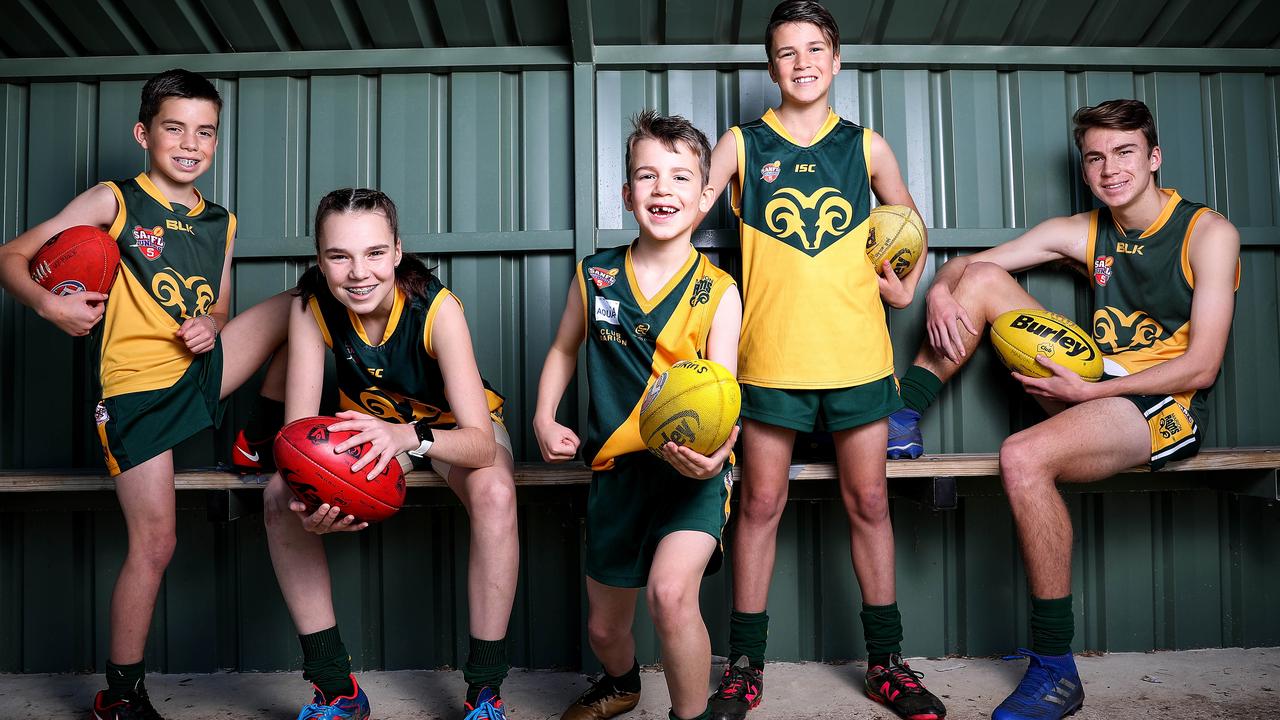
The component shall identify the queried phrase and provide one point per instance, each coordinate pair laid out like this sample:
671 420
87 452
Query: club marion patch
149 242
770 171
603 278
1102 269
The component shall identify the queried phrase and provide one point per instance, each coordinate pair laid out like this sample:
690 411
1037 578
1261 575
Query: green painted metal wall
502 178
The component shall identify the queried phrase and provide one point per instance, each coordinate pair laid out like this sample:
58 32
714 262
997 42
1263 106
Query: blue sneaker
348 707
905 442
1050 690
488 706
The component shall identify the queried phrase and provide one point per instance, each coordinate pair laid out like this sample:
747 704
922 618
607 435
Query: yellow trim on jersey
646 304
582 290
771 119
393 320
735 196
866 152
314 304
231 231
122 213
1187 274
431 320
144 182
1169 206
138 360
1092 243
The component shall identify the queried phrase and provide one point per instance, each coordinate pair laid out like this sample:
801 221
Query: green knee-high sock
486 666
748 633
919 388
1053 625
326 664
882 626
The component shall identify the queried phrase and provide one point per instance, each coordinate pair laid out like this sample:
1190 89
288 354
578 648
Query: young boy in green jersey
815 350
167 356
650 523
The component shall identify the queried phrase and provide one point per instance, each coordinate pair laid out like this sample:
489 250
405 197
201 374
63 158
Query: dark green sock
486 666
748 633
326 664
919 388
628 682
882 626
706 715
122 679
266 417
1052 626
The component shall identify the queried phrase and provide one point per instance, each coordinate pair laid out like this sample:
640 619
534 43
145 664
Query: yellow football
895 233
695 403
1020 335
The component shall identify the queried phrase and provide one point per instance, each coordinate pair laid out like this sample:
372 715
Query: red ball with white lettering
317 475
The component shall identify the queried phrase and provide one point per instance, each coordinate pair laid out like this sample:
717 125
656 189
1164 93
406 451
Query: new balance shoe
1050 690
601 700
898 686
488 706
905 442
135 705
741 689
347 707
252 458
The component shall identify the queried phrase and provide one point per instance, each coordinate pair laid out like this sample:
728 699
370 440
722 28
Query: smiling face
803 63
358 255
180 141
1118 165
666 191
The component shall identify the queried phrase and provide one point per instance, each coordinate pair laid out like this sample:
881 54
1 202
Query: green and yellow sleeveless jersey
812 316
171 261
1142 285
632 339
397 379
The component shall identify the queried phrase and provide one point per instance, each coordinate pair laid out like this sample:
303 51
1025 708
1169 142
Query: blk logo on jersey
603 278
809 223
149 242
1102 269
607 310
770 171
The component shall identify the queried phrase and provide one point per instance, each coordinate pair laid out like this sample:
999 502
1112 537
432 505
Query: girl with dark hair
409 386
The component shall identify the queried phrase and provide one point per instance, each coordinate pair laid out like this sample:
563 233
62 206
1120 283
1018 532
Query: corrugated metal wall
497 175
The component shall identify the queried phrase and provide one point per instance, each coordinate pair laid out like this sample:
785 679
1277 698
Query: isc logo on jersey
607 310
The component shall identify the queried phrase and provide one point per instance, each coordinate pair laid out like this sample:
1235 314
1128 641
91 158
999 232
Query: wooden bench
934 481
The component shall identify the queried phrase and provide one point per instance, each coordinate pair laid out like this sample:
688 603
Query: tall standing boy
166 355
642 308
815 349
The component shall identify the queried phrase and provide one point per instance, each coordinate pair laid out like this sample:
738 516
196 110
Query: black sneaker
740 690
898 686
135 705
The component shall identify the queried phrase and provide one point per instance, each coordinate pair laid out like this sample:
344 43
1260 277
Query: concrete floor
1189 685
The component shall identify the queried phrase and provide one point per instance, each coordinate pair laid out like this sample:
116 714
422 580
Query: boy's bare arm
74 314
724 166
891 189
557 442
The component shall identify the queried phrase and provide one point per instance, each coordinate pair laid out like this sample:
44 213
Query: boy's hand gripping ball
695 404
317 475
895 233
1020 335
77 259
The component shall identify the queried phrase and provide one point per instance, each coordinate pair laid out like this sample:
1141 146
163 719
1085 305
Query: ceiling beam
124 26
1232 22
51 28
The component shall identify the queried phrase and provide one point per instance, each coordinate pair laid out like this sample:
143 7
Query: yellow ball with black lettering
1020 335
695 404
895 233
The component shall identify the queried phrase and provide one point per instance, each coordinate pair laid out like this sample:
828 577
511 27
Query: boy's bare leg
489 494
762 498
251 337
299 561
146 497
610 613
674 581
985 291
865 492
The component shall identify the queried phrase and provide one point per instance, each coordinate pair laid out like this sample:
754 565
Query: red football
316 474
77 259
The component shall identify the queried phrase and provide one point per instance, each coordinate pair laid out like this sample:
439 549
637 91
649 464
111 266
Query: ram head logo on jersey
191 296
391 407
1114 331
805 221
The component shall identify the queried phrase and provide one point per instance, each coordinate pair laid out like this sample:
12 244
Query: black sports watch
425 437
